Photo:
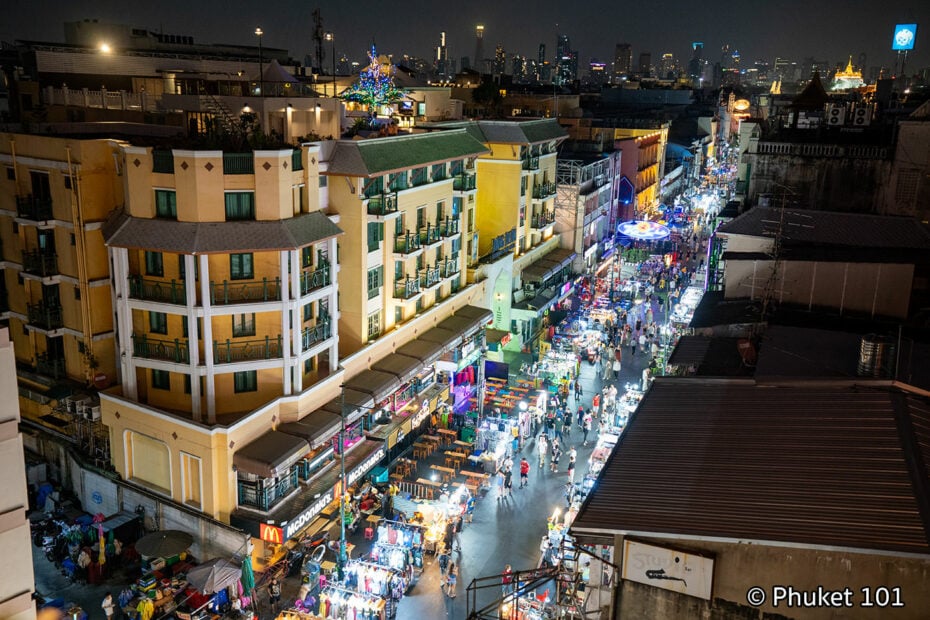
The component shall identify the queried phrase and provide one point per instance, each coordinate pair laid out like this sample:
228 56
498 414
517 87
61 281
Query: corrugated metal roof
689 351
805 227
401 366
426 352
379 156
832 466
210 237
522 132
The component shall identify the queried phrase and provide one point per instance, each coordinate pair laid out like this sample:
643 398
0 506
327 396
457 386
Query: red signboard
270 533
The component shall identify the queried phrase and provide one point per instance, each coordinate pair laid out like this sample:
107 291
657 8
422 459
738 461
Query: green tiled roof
379 156
507 132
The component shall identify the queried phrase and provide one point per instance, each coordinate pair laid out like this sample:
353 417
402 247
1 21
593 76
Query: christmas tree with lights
375 86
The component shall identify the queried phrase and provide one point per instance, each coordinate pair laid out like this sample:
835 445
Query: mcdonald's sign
270 533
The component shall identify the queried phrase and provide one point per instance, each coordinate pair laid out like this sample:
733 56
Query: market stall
339 603
494 442
399 546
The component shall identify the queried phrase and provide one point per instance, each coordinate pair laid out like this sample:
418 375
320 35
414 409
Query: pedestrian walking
541 448
508 482
457 526
500 484
524 472
108 606
580 415
507 581
586 428
572 456
642 342
443 556
451 578
578 391
274 593
556 455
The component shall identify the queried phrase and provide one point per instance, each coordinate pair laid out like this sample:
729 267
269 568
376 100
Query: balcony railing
429 235
160 349
464 182
541 220
419 177
50 366
230 351
382 204
447 268
449 227
35 209
429 278
262 497
297 161
543 191
314 280
406 288
406 243
172 292
311 336
245 291
238 163
45 315
163 161
531 163
40 263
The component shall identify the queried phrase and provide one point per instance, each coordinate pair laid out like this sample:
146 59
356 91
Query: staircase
224 118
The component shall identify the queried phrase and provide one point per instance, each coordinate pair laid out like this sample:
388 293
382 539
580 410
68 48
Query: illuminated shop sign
904 36
297 523
367 464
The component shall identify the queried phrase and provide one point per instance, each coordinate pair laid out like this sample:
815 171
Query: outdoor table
447 472
468 445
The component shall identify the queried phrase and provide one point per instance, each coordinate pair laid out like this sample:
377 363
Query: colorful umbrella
164 544
248 576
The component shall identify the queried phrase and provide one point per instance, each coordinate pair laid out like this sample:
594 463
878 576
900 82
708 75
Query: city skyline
762 34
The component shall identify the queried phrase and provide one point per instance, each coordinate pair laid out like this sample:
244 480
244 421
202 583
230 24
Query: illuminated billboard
904 35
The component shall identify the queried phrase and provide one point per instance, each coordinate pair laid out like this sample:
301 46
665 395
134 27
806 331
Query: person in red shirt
524 472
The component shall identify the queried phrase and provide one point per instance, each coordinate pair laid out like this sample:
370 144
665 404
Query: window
15 228
375 281
149 461
68 182
161 379
182 267
166 206
374 325
240 206
375 236
299 203
322 181
77 293
73 240
10 174
398 315
308 364
308 312
184 327
399 225
421 217
243 325
191 485
187 385
440 209
245 381
154 265
240 267
158 322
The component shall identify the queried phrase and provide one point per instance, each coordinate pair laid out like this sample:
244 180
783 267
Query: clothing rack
403 523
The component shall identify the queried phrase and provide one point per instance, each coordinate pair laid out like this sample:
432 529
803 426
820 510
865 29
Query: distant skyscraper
696 64
645 64
500 60
623 60
541 54
566 61
442 65
667 66
478 60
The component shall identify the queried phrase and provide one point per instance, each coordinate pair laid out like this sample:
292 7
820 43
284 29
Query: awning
271 454
478 316
690 351
401 366
378 384
459 325
357 404
563 256
317 428
548 265
443 337
537 272
425 351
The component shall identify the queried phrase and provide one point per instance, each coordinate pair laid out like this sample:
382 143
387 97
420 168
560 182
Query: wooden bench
447 473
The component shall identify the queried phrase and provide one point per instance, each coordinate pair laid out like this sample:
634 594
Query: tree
488 96
375 86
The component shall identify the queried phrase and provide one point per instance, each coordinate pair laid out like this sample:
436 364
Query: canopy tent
356 404
425 351
164 544
315 428
379 385
271 454
443 337
480 316
213 575
401 366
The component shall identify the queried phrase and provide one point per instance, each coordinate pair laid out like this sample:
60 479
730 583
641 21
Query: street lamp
261 76
329 36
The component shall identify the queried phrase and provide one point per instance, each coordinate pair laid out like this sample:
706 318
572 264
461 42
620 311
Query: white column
209 385
286 306
120 260
296 370
193 335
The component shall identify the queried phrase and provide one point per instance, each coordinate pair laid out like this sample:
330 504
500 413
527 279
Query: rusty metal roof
837 465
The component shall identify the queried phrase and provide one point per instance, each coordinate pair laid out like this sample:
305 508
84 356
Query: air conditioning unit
836 115
66 404
79 403
92 413
862 116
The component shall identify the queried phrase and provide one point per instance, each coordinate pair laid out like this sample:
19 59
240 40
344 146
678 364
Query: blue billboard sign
904 36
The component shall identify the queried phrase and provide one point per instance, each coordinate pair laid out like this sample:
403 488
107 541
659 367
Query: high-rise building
667 67
566 61
478 59
597 73
441 62
623 60
500 60
645 64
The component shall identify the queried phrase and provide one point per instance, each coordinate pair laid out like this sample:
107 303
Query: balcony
430 278
531 163
50 366
162 349
238 163
464 182
231 351
429 235
407 243
245 291
449 227
407 288
45 316
542 220
157 290
35 209
447 268
543 191
312 336
163 161
314 280
258 495
383 204
40 263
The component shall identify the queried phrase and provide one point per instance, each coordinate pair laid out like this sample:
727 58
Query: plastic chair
369 533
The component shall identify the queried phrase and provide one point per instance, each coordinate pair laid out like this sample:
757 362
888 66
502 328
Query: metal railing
382 204
163 161
297 161
230 351
406 288
35 209
430 278
311 336
429 235
40 263
406 243
245 291
45 316
172 292
314 280
449 227
464 182
49 366
238 163
420 176
543 191
176 350
262 497
531 163
447 268
541 220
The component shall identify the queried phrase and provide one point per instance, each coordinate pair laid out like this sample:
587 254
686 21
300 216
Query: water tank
876 356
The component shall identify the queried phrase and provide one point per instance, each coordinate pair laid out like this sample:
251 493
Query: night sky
761 29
